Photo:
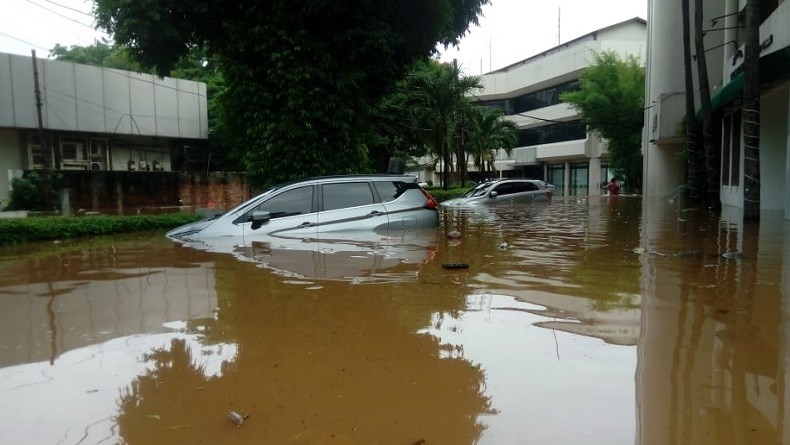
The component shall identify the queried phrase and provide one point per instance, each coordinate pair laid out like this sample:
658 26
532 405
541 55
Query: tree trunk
691 137
751 114
712 157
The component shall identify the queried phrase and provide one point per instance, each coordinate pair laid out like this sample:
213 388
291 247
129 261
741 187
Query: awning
726 93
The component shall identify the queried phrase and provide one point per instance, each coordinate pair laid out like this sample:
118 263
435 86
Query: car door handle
374 213
306 224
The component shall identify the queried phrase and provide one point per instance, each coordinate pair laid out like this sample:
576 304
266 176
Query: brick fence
125 193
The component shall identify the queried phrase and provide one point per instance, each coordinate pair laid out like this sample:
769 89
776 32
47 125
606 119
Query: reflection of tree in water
314 363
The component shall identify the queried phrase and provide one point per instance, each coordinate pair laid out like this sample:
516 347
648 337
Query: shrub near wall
20 230
441 194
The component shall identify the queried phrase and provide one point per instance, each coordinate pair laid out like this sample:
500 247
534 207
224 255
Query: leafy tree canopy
611 102
301 76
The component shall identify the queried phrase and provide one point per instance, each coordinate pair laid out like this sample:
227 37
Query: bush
20 230
27 192
442 195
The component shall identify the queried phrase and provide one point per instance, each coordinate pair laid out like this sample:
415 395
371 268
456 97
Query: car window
478 190
505 189
347 194
524 186
390 190
297 201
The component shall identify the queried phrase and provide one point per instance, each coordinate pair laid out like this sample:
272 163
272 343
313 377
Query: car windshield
246 204
478 190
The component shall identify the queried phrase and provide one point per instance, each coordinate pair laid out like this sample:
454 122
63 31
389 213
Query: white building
553 143
724 42
95 118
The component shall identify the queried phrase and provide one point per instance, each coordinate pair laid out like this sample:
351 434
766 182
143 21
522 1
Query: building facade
553 144
663 139
69 116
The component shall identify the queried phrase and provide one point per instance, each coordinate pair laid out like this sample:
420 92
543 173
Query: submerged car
322 207
504 191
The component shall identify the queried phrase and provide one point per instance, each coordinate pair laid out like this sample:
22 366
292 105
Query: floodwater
577 322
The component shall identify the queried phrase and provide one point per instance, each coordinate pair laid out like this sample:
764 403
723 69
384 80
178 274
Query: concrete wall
85 98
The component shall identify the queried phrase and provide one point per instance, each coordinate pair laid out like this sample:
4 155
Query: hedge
441 194
41 228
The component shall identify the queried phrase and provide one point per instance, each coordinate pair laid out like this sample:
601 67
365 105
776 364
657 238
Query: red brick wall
124 192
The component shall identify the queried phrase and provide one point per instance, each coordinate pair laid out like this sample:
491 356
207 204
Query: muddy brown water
578 322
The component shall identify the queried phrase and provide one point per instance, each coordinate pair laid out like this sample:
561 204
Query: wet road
577 322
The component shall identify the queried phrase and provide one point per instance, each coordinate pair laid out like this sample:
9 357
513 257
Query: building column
566 180
594 177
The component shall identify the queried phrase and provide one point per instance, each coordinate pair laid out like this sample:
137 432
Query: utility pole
559 15
41 138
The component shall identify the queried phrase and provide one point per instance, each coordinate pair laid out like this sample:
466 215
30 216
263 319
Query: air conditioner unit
132 165
143 165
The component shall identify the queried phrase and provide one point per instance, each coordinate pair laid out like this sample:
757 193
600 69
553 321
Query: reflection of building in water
616 325
713 354
41 320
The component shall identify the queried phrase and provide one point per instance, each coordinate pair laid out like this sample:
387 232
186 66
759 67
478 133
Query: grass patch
42 228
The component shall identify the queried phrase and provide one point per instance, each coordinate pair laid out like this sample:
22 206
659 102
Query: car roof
341 178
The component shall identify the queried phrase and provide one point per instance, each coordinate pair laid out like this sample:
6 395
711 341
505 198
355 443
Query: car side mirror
258 218
493 194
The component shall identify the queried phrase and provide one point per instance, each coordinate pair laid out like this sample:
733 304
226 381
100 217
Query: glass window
579 179
390 190
547 134
348 194
556 176
298 201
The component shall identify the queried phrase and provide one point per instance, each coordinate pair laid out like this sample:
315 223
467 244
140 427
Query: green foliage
20 230
27 192
611 103
438 93
98 54
486 133
301 76
441 194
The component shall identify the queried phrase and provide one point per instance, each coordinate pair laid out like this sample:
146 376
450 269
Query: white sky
509 31
513 30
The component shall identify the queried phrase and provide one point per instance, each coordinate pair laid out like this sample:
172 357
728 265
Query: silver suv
324 207
504 191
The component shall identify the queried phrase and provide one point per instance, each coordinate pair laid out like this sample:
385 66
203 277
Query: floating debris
453 234
503 246
456 265
732 255
237 418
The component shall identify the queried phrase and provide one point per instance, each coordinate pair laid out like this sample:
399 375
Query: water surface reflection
591 321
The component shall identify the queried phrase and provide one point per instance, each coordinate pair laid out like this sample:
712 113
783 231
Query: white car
323 207
504 191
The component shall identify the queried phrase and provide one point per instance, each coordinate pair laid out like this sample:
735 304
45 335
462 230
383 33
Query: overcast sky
509 31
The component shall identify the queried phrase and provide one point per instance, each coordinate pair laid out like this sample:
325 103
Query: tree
439 93
712 158
692 150
488 132
98 54
751 113
302 76
610 101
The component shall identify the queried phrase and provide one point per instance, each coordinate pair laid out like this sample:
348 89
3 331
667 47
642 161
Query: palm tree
712 157
751 113
691 120
440 94
488 131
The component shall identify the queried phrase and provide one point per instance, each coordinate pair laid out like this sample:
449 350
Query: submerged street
590 321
